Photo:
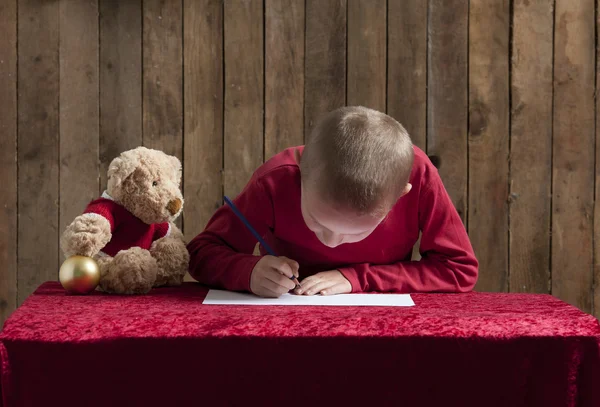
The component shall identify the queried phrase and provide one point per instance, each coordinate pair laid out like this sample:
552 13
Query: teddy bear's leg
104 261
131 271
173 259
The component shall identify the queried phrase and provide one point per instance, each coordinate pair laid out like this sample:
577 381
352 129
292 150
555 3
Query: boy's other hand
271 276
325 283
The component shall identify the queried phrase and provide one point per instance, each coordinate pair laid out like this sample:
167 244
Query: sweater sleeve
161 230
222 255
104 208
448 262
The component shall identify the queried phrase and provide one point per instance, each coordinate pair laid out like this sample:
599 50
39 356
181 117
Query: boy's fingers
293 264
266 293
284 268
317 288
274 287
307 284
277 278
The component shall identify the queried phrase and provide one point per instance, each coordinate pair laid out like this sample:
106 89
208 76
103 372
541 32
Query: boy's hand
326 283
271 276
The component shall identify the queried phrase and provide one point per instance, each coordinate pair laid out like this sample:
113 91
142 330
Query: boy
344 213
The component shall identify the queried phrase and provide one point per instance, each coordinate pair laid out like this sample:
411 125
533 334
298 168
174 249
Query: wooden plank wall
504 93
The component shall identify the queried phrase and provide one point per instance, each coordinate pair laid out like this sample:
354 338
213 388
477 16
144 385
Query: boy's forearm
222 255
214 264
426 275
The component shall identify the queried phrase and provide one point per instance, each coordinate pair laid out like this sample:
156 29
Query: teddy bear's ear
120 168
176 164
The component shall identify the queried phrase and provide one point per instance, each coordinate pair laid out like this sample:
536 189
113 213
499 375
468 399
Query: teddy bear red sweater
132 231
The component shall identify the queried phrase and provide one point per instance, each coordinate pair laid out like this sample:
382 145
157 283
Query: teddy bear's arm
175 232
86 235
167 230
172 257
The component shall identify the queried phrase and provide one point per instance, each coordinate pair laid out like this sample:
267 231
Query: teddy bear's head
146 182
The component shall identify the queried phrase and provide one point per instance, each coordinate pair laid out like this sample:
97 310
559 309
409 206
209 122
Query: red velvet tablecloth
167 348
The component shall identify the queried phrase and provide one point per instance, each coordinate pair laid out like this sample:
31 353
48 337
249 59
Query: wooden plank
203 109
596 277
367 53
488 140
325 63
407 67
447 95
8 158
573 155
162 76
79 104
162 100
244 78
284 75
38 90
531 147
120 79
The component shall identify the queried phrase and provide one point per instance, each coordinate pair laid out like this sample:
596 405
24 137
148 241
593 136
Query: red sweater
131 231
221 256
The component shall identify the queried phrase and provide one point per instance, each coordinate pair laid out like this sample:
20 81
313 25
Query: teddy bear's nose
174 206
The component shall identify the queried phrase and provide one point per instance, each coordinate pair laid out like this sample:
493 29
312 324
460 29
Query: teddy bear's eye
155 183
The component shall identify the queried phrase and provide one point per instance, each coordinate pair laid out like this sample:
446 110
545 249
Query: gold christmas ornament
79 274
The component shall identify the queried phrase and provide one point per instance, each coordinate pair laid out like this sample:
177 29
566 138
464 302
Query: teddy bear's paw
86 235
131 271
173 260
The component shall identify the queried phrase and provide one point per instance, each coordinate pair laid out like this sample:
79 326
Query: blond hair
358 158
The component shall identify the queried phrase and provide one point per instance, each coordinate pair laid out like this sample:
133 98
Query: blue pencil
254 232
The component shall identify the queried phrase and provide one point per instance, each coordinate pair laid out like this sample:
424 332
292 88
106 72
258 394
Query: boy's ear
407 189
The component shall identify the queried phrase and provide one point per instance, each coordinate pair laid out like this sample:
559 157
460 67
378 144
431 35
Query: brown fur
132 186
147 183
85 236
131 271
172 262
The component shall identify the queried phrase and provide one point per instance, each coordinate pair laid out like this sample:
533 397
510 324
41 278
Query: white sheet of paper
220 297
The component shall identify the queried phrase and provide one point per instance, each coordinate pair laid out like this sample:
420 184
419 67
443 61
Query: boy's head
354 167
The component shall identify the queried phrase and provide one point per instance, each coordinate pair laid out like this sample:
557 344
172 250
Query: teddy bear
129 230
